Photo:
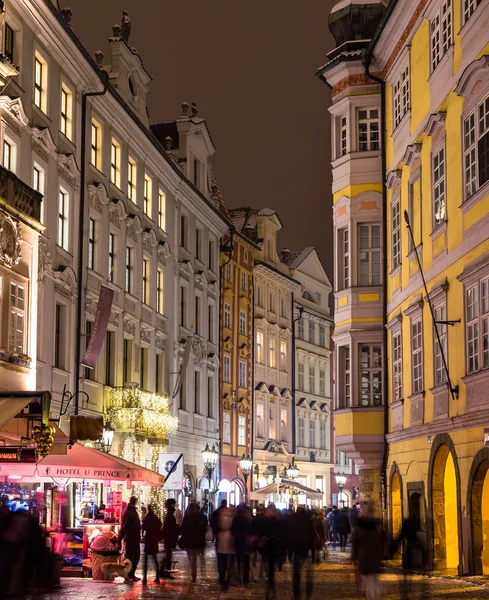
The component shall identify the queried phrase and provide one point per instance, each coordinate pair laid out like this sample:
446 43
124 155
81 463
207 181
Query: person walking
170 538
130 533
343 528
241 530
152 535
367 550
222 524
302 539
319 534
269 546
194 531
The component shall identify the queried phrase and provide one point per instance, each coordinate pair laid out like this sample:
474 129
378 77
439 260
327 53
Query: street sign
170 465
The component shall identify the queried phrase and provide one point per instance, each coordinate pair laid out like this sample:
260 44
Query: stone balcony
359 432
19 195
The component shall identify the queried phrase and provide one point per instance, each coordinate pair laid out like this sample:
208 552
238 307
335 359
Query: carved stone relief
45 260
10 241
145 334
129 326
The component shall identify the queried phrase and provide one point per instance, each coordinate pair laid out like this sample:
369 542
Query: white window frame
477 325
66 111
343 146
260 350
417 355
476 127
346 257
371 373
132 173
312 432
63 240
227 315
312 379
441 33
17 317
300 377
242 374
241 430
283 355
115 163
438 166
322 435
322 336
468 9
227 368
242 322
396 232
322 382
161 210
312 331
371 278
272 352
368 129
302 432
441 349
226 421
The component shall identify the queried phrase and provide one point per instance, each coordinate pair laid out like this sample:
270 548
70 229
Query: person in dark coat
334 516
241 530
343 528
269 546
131 534
152 535
170 537
194 531
302 540
367 551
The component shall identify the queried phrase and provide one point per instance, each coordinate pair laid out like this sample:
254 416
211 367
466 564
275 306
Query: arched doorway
444 506
396 510
479 504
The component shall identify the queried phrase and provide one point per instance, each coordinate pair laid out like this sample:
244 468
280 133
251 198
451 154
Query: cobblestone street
333 580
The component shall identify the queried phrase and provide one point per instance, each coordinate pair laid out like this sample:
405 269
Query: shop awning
81 462
274 488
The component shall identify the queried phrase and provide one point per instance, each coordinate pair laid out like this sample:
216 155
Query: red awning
81 462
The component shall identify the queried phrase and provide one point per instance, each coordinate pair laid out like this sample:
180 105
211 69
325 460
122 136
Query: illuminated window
368 120
96 145
439 211
259 347
112 251
283 356
160 281
272 353
16 334
9 43
40 82
371 374
146 280
115 163
66 116
148 190
63 219
241 430
131 179
91 243
161 210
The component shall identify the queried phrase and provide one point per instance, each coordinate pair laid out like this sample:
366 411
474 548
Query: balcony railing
19 195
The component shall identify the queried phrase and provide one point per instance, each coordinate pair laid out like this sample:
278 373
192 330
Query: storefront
286 493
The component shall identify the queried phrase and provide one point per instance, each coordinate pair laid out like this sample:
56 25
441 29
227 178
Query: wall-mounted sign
170 465
17 454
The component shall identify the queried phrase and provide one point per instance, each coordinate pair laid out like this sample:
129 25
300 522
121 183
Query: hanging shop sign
99 327
17 454
170 465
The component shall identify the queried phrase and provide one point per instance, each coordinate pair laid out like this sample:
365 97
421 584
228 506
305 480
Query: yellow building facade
425 67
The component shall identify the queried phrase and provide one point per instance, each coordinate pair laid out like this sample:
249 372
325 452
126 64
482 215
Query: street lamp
246 465
340 482
105 444
292 470
210 458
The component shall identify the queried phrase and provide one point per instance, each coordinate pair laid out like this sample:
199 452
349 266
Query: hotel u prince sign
82 472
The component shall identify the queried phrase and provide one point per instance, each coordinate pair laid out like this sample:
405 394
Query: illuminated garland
157 495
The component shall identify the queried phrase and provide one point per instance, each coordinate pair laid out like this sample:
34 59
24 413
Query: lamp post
246 465
340 482
210 456
292 470
105 444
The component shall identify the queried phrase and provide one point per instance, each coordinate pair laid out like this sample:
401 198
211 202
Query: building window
197 394
322 336
210 397
271 424
441 33
346 259
109 358
343 135
227 315
229 271
59 326
272 353
16 318
96 148
312 380
242 374
469 8
322 435
160 291
38 185
439 187
302 436
283 310
40 82
146 276
211 255
63 222
401 96
283 356
111 257
441 346
269 249
417 351
131 179
183 231
9 43
198 305
148 191
347 381
226 438
244 279
66 116
7 155
371 374
115 163
259 348
241 430
369 250
300 377
283 425
259 296
211 322
396 234
161 210
477 319
260 425
129 270
300 328
312 433
91 244
476 148
227 368
312 331
127 360
368 129
160 373
322 382
271 302
397 366
183 306
198 244
242 322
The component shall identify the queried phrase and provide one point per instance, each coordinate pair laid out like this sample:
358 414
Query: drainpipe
252 376
293 375
81 230
367 60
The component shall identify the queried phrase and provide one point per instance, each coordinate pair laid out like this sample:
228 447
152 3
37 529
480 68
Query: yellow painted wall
451 514
350 191
359 422
369 297
343 301
420 72
485 525
396 507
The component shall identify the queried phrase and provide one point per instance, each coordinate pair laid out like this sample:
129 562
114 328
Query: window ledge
416 396
439 230
406 117
96 170
63 251
467 27
113 188
67 140
475 198
476 375
397 403
40 112
439 67
412 253
396 270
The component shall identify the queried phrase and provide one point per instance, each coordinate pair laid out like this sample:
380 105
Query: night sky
249 65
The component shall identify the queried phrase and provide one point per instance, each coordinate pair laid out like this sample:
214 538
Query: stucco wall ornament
133 227
97 196
45 260
10 241
160 342
149 240
145 334
129 326
65 283
198 349
164 251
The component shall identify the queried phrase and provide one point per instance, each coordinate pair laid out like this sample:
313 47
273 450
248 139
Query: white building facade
140 199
